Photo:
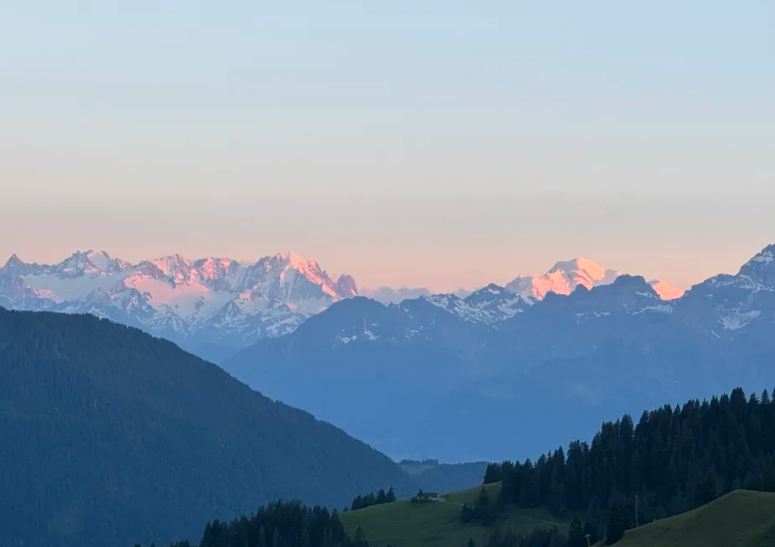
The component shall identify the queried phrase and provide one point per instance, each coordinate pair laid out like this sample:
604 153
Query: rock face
212 306
516 375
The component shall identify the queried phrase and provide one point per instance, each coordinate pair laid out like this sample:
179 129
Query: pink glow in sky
438 144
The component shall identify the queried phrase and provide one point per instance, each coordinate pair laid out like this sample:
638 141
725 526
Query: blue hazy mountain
423 378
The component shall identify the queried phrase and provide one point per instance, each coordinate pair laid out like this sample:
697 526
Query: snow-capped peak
665 290
592 268
563 278
215 300
89 263
298 262
760 270
488 305
99 259
174 266
765 258
215 269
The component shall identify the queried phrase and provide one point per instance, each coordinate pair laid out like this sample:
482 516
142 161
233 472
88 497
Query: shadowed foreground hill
437 523
110 436
741 518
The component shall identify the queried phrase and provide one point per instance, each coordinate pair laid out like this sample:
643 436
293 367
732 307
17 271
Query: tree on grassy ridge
576 536
380 498
281 525
675 459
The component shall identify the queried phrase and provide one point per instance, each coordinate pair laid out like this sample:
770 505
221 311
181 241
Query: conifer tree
381 497
391 495
576 536
617 522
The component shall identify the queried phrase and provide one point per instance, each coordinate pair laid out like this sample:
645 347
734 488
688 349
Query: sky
438 143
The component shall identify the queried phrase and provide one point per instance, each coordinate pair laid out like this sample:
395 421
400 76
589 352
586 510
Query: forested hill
110 436
675 459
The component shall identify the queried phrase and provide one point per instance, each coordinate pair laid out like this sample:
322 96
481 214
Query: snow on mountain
594 352
565 276
209 302
489 305
665 290
494 304
734 306
214 306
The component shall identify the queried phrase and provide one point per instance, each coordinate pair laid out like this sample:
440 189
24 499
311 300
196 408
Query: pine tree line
674 460
380 498
280 524
540 537
484 510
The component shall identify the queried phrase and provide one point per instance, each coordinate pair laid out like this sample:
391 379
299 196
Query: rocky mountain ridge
209 306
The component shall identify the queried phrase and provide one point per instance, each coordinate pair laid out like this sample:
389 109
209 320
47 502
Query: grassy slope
437 523
739 519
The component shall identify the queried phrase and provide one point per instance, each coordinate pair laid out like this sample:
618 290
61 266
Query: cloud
388 295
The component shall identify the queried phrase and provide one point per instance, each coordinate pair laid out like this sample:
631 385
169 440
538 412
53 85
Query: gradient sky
439 143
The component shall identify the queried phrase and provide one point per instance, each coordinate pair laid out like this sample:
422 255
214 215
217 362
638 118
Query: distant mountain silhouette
428 372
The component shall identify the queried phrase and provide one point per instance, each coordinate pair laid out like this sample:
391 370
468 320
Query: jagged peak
346 286
173 266
630 280
765 257
214 267
296 261
174 260
215 260
579 263
89 261
493 287
759 271
178 258
14 262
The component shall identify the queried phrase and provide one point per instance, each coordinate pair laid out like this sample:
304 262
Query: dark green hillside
110 436
740 519
674 460
437 523
620 489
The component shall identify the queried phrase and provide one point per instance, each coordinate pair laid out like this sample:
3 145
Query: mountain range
536 370
565 276
215 307
210 306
